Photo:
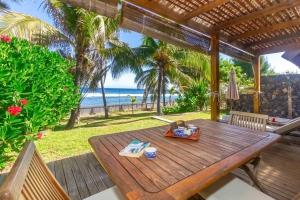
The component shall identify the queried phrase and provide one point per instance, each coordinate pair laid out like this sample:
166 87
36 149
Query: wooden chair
30 179
286 129
252 121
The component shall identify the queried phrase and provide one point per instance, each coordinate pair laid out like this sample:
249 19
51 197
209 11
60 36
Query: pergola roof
245 27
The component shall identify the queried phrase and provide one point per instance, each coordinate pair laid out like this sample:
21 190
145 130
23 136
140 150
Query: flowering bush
36 92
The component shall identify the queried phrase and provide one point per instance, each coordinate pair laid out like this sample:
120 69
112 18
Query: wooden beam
173 16
284 4
215 82
267 29
280 48
103 7
203 9
256 95
154 7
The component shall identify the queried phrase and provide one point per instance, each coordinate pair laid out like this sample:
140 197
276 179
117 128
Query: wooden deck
279 173
81 176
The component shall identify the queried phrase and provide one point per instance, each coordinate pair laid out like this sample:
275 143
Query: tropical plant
77 34
4 5
196 97
266 68
133 100
37 91
67 35
172 92
162 64
226 65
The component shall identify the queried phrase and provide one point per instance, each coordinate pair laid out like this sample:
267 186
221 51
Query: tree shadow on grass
97 124
96 121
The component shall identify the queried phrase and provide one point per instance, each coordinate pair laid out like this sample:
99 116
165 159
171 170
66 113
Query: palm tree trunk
145 96
73 118
159 87
75 111
104 99
164 88
144 100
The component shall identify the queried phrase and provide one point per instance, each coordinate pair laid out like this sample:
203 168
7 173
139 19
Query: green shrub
36 91
196 97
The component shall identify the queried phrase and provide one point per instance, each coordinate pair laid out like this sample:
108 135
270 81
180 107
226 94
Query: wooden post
215 82
256 95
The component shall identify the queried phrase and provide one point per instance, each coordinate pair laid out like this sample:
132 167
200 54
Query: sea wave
111 95
91 95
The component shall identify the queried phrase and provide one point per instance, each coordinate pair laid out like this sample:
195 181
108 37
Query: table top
182 167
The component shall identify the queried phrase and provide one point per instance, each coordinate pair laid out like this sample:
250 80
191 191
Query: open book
134 149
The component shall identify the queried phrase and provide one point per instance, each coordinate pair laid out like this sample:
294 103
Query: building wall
280 96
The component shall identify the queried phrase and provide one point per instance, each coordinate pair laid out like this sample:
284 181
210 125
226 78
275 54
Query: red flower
24 102
4 38
40 135
14 110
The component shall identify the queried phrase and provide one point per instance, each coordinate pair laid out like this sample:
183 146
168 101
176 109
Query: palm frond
29 27
3 5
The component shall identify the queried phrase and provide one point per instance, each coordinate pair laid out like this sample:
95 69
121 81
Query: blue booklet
134 149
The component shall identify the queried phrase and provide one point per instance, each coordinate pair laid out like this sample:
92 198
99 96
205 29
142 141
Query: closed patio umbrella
232 89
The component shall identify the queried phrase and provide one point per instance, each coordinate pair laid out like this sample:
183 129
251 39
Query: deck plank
70 180
279 173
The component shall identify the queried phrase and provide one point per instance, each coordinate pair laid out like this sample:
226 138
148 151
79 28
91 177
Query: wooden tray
194 136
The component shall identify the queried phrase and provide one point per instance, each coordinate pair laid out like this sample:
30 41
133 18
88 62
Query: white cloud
126 80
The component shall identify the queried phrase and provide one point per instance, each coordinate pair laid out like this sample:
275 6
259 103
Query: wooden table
182 168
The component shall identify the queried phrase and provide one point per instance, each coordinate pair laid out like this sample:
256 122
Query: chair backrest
292 125
252 121
30 179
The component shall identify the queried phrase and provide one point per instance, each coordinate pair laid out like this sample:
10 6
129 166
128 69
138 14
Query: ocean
114 96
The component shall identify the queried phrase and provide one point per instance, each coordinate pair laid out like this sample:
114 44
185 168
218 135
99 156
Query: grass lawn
59 143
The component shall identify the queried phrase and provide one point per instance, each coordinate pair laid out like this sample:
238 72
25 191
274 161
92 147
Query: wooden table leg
255 162
252 177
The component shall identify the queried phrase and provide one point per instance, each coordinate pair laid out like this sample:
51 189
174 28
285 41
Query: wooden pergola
243 29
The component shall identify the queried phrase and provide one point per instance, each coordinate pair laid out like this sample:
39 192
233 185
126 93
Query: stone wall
280 96
244 104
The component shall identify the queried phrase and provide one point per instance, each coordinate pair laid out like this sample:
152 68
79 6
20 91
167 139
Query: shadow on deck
82 176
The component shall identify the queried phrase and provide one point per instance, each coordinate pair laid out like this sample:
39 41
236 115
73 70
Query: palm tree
109 48
103 31
163 64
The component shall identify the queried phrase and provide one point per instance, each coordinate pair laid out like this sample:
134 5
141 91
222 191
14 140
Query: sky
33 7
